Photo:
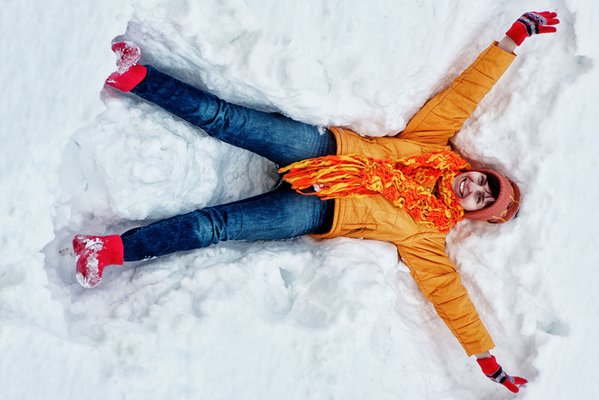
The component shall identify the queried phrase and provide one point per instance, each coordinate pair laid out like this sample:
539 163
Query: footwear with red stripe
93 254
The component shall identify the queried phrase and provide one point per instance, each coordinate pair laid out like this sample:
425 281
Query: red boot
93 253
128 74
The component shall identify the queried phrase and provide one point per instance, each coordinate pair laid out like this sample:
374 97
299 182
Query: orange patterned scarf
406 182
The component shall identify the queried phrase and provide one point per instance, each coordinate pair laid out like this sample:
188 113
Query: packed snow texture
295 319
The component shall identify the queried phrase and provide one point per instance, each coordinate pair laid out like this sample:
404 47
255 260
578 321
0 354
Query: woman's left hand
494 372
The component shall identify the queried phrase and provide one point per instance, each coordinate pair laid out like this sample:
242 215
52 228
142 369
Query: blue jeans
279 214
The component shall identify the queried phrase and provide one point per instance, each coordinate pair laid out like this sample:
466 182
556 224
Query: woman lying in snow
410 189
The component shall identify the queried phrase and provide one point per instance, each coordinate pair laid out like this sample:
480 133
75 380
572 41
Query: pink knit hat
505 207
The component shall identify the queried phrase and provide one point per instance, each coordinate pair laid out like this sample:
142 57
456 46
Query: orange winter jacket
422 248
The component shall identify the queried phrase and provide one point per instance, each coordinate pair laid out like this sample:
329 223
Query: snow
296 319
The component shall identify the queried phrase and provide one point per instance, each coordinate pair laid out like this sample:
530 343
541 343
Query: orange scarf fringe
406 182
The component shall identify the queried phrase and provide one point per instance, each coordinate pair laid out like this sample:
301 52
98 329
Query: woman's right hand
532 23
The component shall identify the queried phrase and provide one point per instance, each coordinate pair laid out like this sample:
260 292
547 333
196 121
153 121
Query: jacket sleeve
443 115
440 283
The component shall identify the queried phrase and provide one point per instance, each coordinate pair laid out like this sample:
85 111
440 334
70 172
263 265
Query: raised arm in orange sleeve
440 283
444 115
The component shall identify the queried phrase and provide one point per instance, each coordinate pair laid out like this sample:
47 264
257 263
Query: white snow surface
295 319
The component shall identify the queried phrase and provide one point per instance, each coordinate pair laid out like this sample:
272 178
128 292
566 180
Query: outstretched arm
443 116
438 280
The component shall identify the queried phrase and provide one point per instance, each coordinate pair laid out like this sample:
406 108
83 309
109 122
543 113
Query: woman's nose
472 186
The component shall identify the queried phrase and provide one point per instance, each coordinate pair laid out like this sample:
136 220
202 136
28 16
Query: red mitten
532 23
494 372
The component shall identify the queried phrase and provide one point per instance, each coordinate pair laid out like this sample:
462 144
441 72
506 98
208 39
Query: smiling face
472 190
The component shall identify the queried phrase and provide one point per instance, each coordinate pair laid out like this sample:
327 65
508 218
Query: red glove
495 373
532 23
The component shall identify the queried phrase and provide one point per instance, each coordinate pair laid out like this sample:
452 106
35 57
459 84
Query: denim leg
279 214
271 135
